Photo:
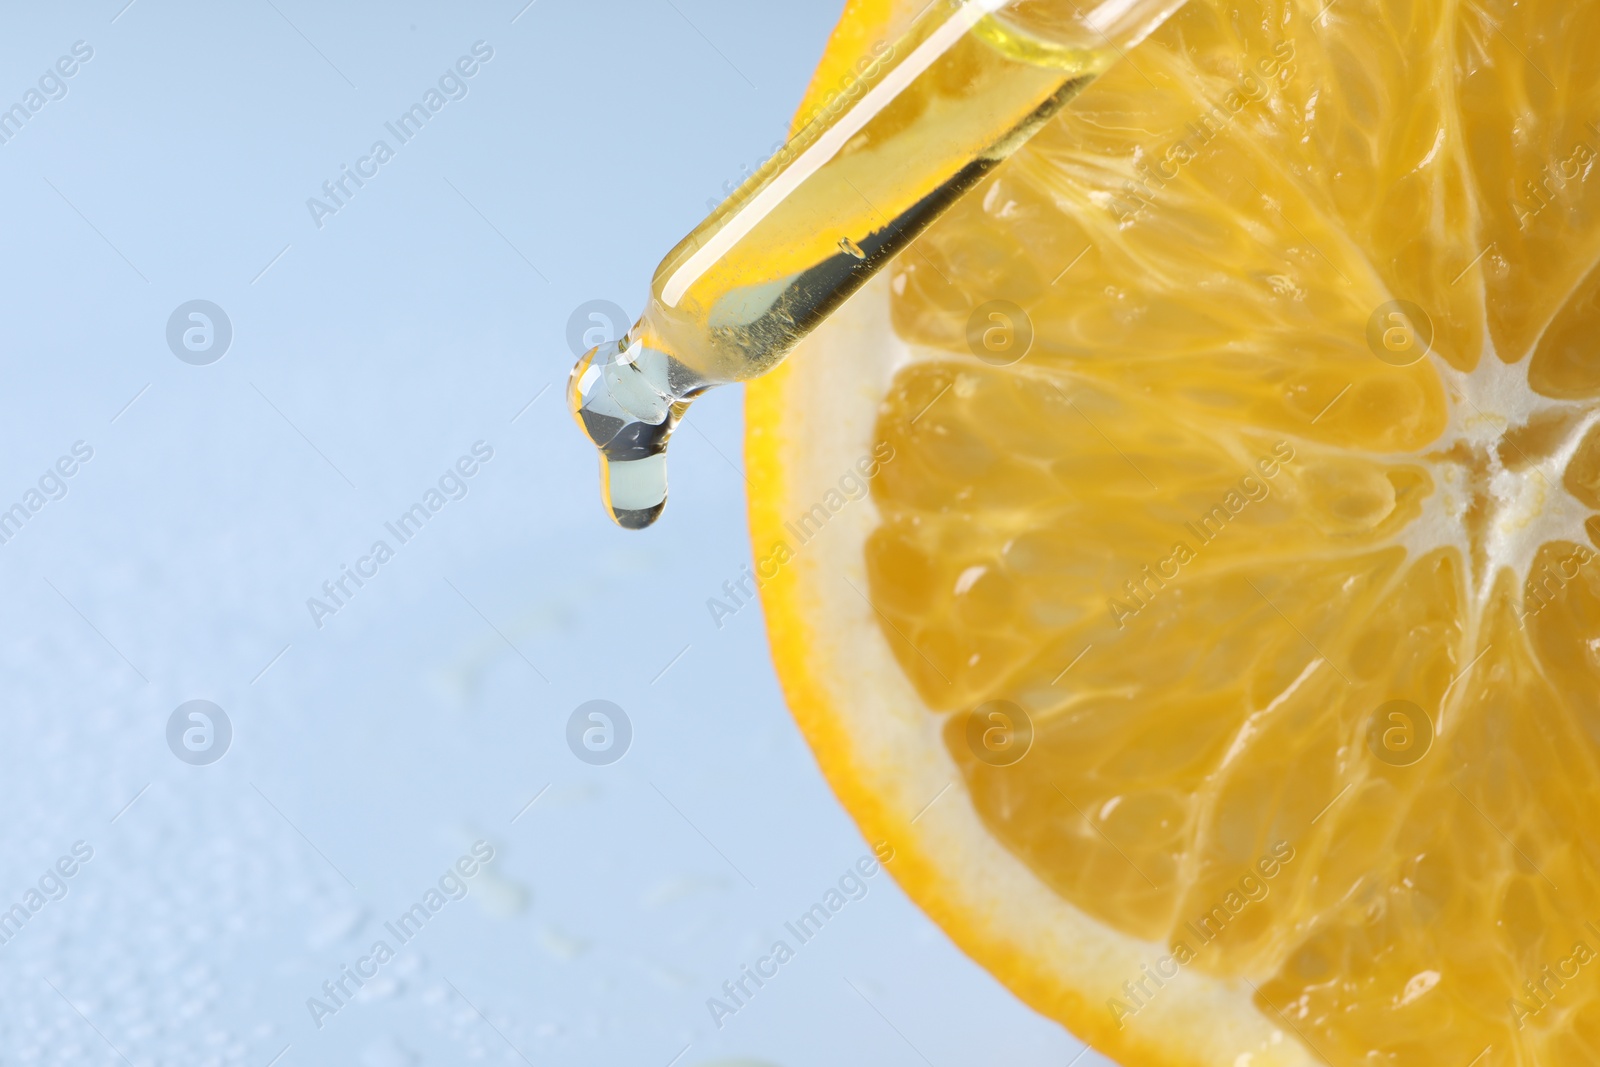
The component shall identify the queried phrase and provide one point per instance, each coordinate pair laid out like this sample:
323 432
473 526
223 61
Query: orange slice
1224 669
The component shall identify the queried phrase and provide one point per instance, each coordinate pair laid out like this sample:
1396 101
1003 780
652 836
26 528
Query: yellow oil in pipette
927 119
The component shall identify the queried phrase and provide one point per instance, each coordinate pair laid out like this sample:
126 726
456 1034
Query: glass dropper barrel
923 121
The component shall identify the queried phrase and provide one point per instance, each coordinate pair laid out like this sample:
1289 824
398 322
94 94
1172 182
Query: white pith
1532 507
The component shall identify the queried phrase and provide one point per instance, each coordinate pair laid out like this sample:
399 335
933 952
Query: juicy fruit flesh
1202 533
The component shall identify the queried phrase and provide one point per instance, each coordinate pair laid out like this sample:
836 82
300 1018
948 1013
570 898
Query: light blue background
366 358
